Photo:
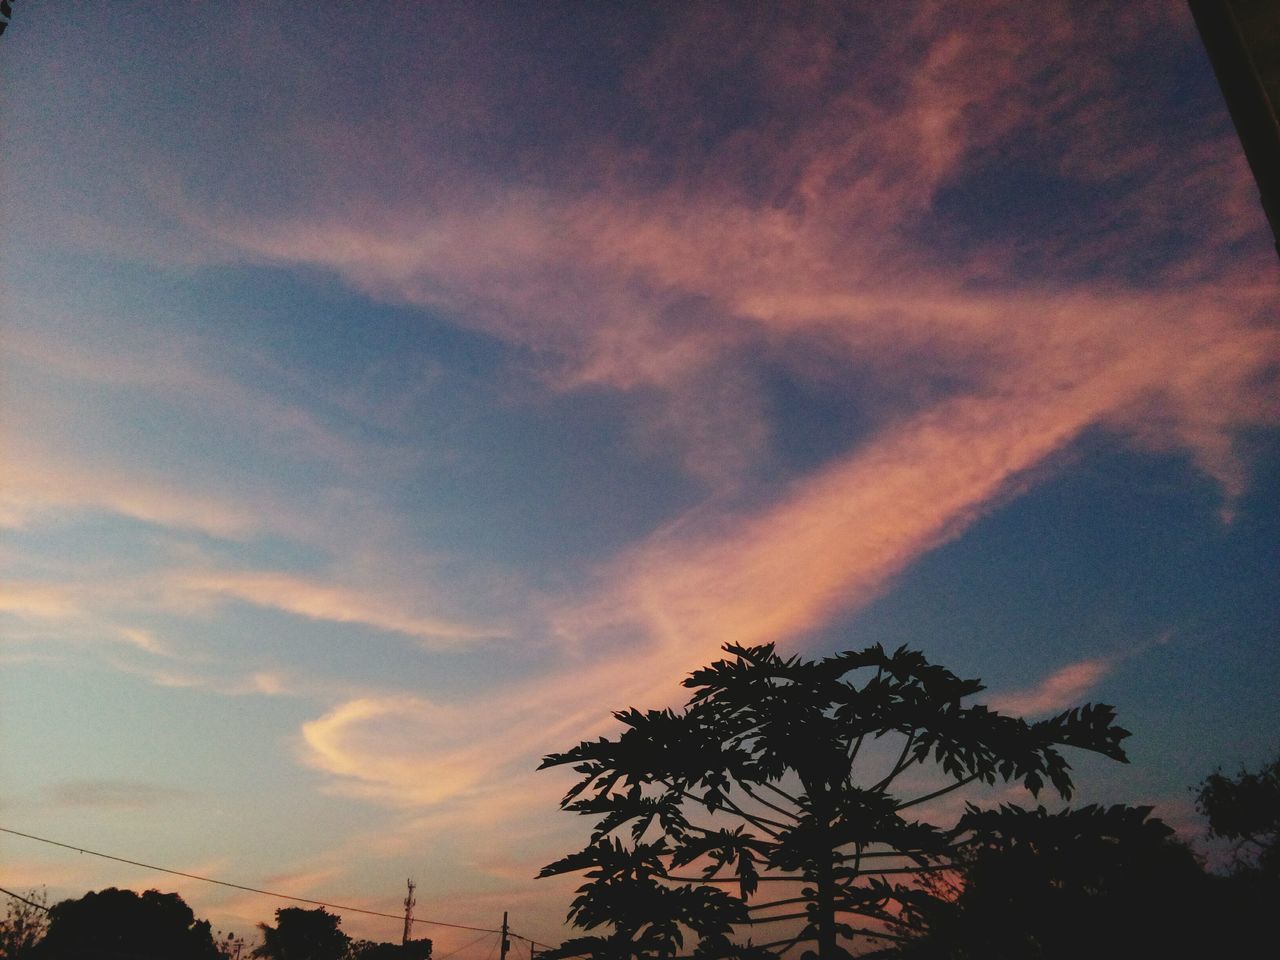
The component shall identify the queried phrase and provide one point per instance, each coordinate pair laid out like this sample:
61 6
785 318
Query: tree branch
671 876
898 767
893 870
782 793
876 854
756 921
756 820
760 823
938 793
777 903
761 800
853 753
790 942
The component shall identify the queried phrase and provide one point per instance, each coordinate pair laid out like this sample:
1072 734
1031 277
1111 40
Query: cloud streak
1063 688
319 600
128 794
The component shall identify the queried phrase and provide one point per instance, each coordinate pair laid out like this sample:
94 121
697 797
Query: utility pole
408 913
506 944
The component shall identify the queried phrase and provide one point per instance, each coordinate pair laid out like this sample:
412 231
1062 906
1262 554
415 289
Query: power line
238 886
266 893
470 943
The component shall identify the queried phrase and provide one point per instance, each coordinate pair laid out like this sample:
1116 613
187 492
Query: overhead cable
240 886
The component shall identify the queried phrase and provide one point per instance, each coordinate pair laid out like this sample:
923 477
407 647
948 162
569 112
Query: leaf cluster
1246 810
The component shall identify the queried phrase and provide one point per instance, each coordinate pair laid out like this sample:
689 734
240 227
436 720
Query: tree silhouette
303 935
369 950
1094 882
24 924
760 780
1246 810
115 924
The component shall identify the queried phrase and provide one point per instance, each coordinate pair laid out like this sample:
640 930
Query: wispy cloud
38 487
130 794
319 600
395 748
1065 687
38 601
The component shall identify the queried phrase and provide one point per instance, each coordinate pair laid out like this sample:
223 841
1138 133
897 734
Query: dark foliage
117 924
754 782
303 935
368 950
1246 810
1095 882
23 926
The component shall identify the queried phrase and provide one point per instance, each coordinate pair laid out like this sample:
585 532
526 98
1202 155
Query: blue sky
389 397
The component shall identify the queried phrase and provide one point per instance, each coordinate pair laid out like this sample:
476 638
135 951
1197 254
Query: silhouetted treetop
1099 882
1246 809
25 921
765 775
370 950
303 935
115 924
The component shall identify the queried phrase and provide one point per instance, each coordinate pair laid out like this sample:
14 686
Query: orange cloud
41 601
394 748
37 486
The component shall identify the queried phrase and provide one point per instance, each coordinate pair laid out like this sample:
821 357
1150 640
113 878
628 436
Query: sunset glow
388 395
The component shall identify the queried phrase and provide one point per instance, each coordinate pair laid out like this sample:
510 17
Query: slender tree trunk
825 879
826 910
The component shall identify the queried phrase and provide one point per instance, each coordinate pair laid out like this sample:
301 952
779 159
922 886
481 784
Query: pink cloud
1065 687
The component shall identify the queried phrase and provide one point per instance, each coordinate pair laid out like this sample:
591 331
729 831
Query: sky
390 392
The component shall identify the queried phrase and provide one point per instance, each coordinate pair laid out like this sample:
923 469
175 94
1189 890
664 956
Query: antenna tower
408 913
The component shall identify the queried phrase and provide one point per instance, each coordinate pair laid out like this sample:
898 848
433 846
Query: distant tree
117 924
24 924
764 757
303 935
1246 810
228 945
368 950
1105 883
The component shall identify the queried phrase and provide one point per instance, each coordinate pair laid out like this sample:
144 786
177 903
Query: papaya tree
772 812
